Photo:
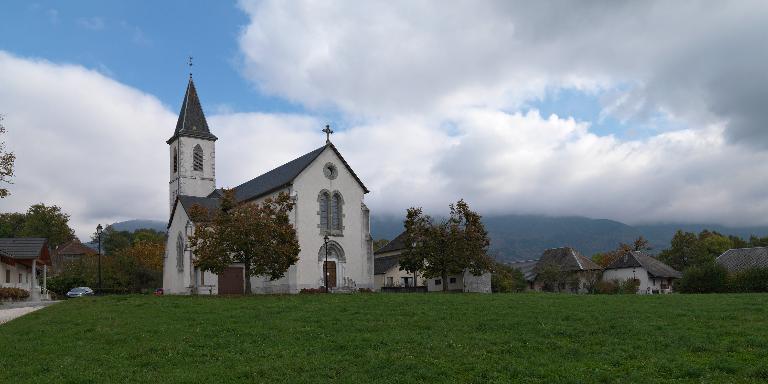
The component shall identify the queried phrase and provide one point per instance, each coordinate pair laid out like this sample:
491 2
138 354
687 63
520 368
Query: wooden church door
330 270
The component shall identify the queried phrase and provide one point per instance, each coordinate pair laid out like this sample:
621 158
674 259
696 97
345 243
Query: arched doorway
331 268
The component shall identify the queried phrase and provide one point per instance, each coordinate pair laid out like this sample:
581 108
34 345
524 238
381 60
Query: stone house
570 270
388 274
740 259
654 276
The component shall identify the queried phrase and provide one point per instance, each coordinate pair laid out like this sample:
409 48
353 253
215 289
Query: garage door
231 281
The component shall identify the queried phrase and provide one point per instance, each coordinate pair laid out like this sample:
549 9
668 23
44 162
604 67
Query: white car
80 292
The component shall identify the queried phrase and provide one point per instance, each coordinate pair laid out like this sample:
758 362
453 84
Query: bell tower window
175 160
197 158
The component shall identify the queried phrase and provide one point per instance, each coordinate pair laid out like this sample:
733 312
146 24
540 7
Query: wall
186 180
647 283
15 270
396 274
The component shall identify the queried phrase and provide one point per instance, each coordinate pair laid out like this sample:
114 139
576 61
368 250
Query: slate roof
191 122
526 267
396 244
651 264
383 264
739 259
24 247
567 258
283 176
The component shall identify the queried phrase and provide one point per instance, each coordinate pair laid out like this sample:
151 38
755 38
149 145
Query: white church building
329 201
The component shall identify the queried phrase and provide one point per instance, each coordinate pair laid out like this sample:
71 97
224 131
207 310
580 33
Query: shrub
507 279
365 290
15 294
312 290
607 287
628 286
750 280
707 278
61 284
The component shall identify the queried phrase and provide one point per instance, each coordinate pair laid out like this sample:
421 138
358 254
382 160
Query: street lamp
98 233
325 266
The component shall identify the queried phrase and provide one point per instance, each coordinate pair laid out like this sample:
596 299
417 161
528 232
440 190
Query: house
329 201
563 270
69 252
388 274
653 275
740 259
21 261
386 270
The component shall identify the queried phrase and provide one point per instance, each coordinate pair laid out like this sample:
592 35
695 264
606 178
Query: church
329 207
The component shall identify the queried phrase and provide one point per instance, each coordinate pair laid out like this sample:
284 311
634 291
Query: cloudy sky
640 111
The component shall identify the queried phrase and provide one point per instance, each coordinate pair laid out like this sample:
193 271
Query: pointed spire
191 120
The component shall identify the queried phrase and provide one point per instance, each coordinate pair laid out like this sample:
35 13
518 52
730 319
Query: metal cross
190 67
328 133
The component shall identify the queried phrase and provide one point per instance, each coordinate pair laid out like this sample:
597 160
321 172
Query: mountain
524 237
132 225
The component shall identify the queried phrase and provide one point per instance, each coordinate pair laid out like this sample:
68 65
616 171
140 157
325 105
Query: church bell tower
192 151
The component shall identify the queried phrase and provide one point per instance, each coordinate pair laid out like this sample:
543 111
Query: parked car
80 292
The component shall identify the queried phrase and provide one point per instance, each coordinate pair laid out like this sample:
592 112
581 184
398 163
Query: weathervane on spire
328 133
190 66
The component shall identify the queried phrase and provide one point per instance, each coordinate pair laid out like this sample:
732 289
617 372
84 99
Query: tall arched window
175 160
324 199
336 203
197 158
179 253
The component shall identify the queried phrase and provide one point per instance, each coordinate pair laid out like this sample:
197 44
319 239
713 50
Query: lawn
363 338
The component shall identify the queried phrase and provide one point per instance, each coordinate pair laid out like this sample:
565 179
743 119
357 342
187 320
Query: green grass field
363 338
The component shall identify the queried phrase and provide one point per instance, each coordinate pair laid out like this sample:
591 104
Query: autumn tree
606 258
6 163
257 235
448 247
689 250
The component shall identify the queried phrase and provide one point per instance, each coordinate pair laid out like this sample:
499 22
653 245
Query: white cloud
93 23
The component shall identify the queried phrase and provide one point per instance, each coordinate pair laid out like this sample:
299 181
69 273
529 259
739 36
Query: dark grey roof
526 267
651 264
739 259
283 176
187 202
23 247
383 264
191 122
396 244
568 260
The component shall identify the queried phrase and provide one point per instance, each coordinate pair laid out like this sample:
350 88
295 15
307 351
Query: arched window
336 203
197 158
180 253
325 200
175 160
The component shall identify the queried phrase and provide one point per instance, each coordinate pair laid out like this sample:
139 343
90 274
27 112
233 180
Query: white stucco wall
647 284
396 274
13 272
186 180
183 281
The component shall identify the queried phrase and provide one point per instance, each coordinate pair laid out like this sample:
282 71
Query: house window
390 281
406 281
8 276
452 280
197 158
20 278
438 282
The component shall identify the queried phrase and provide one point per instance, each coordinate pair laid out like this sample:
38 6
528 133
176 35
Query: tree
49 222
6 163
689 250
11 224
258 235
446 248
507 279
605 259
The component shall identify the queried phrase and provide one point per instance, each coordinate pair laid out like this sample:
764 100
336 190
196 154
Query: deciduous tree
258 235
448 247
6 163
